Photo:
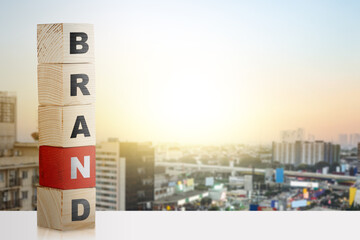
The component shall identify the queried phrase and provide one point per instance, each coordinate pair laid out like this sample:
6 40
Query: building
166 152
124 175
312 152
19 162
30 149
332 153
343 140
284 152
139 175
174 194
292 135
164 185
319 151
218 193
18 181
305 152
110 173
7 123
354 139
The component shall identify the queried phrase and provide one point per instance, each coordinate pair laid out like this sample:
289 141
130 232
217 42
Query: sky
200 71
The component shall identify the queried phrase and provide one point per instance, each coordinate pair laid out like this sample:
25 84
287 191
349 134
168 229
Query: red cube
67 168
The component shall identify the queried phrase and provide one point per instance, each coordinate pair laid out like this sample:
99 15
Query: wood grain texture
53 43
55 209
54 84
55 167
57 123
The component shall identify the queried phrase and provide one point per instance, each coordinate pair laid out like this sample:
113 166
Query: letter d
75 209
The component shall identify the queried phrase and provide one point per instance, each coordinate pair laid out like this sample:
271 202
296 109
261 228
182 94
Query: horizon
247 143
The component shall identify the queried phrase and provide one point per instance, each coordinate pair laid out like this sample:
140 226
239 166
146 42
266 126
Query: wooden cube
68 126
66 84
65 43
66 209
67 168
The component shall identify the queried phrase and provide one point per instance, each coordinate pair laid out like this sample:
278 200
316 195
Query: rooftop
26 144
7 94
18 161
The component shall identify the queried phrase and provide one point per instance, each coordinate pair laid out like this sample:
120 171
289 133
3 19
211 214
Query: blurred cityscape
294 172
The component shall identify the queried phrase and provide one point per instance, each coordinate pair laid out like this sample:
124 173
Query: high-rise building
343 140
331 153
305 152
349 140
19 164
354 139
319 151
292 135
124 175
284 152
18 181
7 123
311 138
298 152
110 177
139 175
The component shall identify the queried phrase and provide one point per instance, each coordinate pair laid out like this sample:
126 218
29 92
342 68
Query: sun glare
191 107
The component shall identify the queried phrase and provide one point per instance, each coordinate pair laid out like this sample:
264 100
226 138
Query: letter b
74 42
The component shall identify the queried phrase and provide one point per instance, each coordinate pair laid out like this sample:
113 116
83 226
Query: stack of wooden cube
66 86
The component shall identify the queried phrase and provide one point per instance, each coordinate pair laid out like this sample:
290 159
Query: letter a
76 130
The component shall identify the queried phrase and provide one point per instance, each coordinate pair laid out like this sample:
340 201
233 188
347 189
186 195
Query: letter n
76 165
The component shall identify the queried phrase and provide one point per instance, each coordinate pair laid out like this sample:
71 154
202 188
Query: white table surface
191 225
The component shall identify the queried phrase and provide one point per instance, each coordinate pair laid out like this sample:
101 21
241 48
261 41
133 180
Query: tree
275 164
188 160
247 161
321 165
258 178
289 167
205 201
302 167
201 187
224 161
333 166
214 208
